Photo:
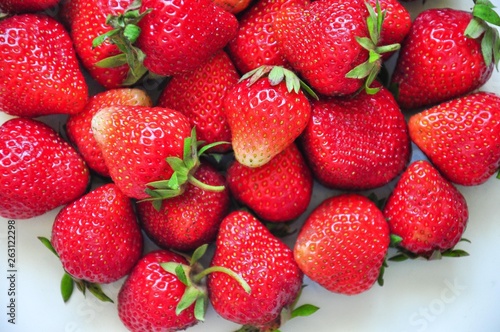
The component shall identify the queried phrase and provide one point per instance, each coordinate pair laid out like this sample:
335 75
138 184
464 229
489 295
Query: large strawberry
191 219
136 140
79 129
426 211
356 143
454 63
39 170
39 71
278 191
343 243
461 137
97 238
199 95
247 247
149 297
266 112
255 44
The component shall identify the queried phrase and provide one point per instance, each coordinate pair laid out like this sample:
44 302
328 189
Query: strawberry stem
198 277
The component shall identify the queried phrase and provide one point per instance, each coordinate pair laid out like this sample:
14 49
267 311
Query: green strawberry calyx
484 15
184 170
404 254
370 69
193 277
276 75
68 282
124 34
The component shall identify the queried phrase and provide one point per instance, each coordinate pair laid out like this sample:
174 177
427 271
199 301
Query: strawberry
40 171
24 6
255 44
454 63
278 191
426 211
78 126
233 6
265 114
248 248
191 219
136 140
461 137
88 23
343 243
356 143
148 298
199 95
97 238
48 81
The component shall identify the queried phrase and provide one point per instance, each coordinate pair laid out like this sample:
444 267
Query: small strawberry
97 238
25 6
246 247
343 243
356 143
191 219
79 129
233 6
278 191
459 51
199 95
266 112
426 211
41 82
255 44
136 140
461 137
148 299
40 171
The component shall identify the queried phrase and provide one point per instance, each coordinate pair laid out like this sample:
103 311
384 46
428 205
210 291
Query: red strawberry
87 23
426 211
246 247
97 238
149 297
278 191
199 95
265 114
23 6
39 171
343 243
461 137
78 126
255 44
453 64
45 81
187 221
233 6
136 140
356 143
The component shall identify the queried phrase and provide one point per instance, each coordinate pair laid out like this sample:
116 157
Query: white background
453 294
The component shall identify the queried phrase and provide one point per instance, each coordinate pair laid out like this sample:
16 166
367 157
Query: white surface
448 295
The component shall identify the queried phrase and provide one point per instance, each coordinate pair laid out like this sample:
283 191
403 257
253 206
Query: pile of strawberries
257 101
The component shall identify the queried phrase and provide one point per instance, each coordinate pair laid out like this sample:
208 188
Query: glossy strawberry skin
135 142
97 237
356 143
453 64
88 21
79 129
48 81
24 6
264 119
39 171
461 137
343 244
426 210
149 296
320 43
199 95
255 44
178 36
187 221
279 191
245 246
